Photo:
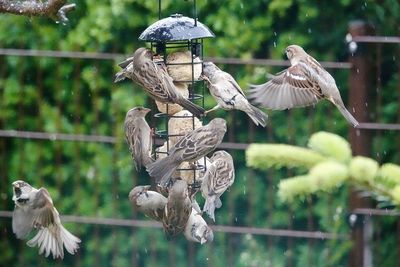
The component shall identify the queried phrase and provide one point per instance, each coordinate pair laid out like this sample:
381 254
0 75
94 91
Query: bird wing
224 176
43 209
233 82
156 81
294 87
195 144
132 134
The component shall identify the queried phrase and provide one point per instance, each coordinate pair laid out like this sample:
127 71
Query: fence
70 139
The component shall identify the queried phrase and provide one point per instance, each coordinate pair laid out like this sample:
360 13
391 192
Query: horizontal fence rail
217 228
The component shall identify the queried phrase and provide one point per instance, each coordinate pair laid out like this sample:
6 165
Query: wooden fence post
360 84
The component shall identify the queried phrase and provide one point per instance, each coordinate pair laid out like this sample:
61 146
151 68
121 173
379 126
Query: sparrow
177 210
191 147
228 94
138 135
197 230
34 209
149 202
304 83
154 79
219 177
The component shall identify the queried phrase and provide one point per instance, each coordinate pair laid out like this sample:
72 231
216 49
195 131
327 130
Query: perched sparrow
304 83
154 79
177 210
220 176
138 136
197 230
227 92
34 209
151 203
191 147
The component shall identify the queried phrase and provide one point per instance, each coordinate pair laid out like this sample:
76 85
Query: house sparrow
197 230
191 147
304 83
138 136
177 210
151 203
227 92
219 177
154 79
34 209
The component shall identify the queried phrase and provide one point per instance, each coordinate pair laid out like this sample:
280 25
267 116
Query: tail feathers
48 242
211 203
51 239
347 115
162 170
71 242
147 160
190 106
120 76
258 116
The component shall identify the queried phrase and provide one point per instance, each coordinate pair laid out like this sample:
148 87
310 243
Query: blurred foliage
77 96
329 172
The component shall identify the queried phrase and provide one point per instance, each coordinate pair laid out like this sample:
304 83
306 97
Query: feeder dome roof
175 28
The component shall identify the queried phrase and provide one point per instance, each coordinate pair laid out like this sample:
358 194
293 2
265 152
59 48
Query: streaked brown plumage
219 177
138 136
177 210
154 79
304 83
34 209
191 147
149 202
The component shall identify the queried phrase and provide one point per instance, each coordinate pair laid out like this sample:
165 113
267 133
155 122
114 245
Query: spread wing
43 209
296 86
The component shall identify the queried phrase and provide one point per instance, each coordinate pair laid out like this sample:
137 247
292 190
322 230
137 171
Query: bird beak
147 187
146 110
16 184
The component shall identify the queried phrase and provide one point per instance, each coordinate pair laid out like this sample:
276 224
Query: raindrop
207 259
241 5
275 34
358 70
309 30
274 44
366 104
145 250
236 219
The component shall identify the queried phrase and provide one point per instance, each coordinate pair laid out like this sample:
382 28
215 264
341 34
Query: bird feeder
177 43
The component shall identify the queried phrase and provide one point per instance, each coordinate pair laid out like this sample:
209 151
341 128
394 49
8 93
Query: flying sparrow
219 177
177 210
138 136
304 83
227 92
191 147
154 79
197 230
34 209
149 202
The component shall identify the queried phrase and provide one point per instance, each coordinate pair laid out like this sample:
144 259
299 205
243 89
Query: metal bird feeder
171 39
